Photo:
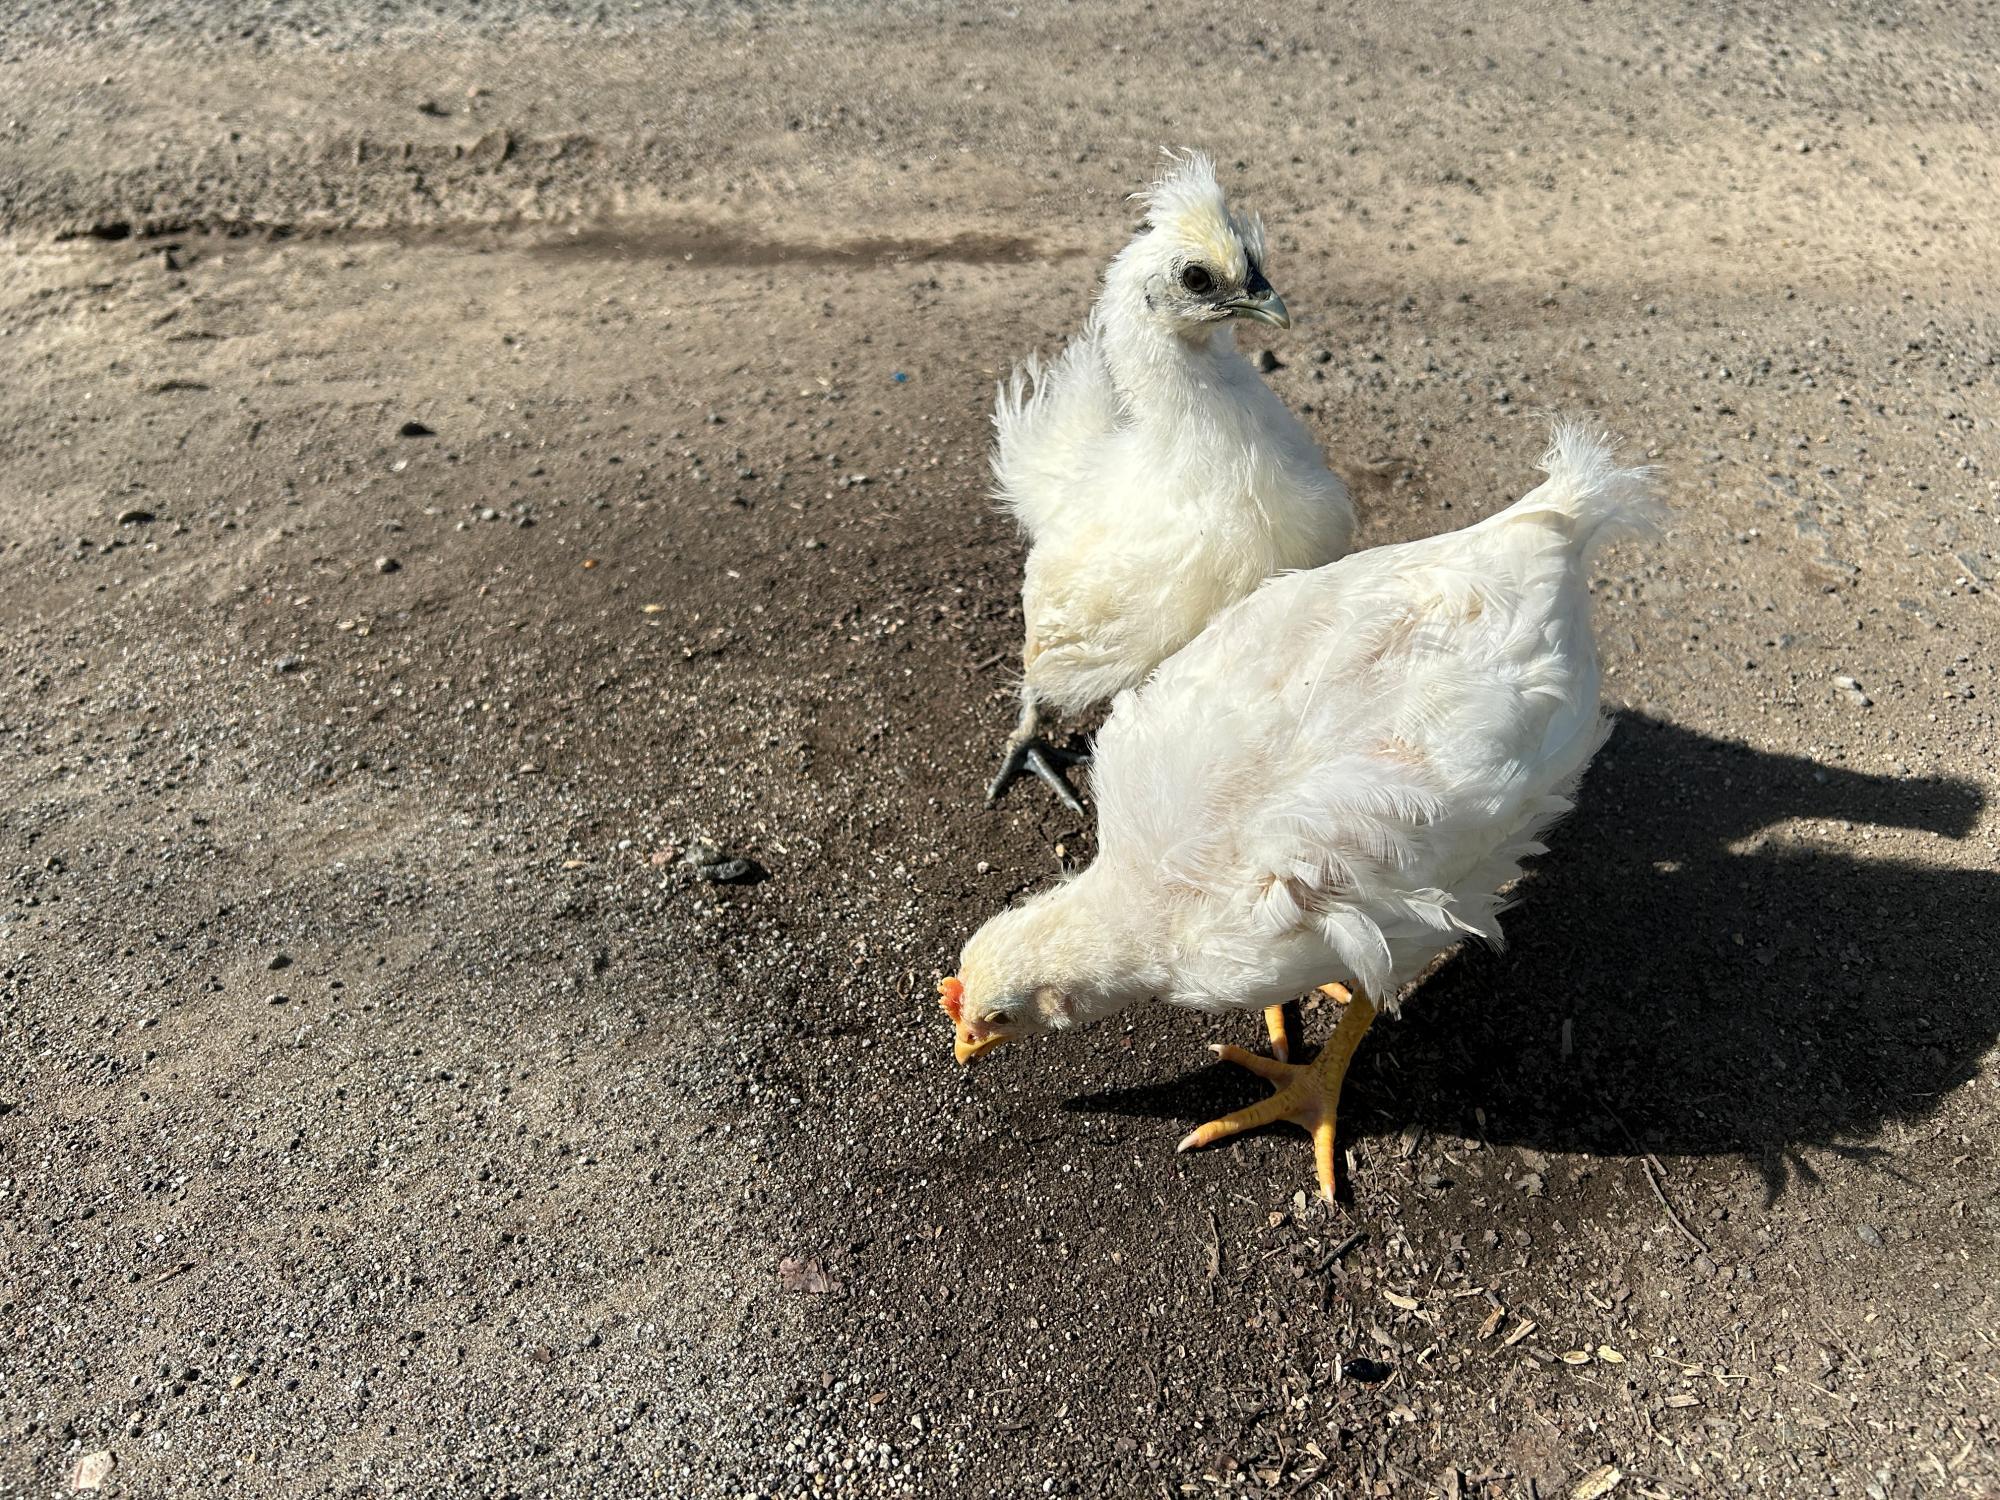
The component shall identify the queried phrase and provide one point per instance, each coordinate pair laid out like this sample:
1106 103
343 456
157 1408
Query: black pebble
414 429
734 872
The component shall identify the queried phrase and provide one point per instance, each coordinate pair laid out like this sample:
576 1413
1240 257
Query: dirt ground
386 1106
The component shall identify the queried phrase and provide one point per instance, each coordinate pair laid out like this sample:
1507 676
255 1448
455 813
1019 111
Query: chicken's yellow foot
1308 1094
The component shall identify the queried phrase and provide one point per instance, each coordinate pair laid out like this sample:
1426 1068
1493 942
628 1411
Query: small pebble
275 999
1267 361
414 429
136 516
288 664
386 565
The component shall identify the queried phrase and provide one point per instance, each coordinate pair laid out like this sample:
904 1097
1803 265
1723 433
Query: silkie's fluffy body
1336 781
1157 476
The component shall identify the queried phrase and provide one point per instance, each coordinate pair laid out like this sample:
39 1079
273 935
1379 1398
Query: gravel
500 1200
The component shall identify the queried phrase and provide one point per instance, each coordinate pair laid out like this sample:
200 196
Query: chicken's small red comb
951 995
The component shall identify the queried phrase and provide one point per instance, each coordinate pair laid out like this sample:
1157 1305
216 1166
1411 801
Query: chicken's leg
1278 1027
1308 1093
1281 1021
1028 751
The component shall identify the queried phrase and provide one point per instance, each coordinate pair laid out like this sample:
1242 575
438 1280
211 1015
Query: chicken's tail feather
1045 417
1587 495
1015 401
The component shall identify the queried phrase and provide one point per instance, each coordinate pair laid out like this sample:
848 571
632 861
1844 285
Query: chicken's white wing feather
1363 754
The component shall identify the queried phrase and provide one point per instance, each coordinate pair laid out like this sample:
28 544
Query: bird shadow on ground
1679 982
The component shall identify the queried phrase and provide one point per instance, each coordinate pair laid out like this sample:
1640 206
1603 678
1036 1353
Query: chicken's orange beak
973 1037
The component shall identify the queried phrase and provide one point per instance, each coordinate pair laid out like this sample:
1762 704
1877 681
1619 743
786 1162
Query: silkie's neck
1167 381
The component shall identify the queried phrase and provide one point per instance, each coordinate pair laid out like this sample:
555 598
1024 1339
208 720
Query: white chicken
1337 780
1158 478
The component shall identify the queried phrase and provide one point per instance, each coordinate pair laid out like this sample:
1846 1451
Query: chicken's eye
1000 1018
1198 280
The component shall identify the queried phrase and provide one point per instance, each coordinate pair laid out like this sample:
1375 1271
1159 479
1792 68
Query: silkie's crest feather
1187 203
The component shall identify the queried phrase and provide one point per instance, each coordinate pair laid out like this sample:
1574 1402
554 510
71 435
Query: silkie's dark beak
1260 301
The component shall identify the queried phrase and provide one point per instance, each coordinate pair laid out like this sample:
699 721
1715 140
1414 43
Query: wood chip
796 1274
1597 1483
1397 1299
1683 1398
1492 1324
1527 1326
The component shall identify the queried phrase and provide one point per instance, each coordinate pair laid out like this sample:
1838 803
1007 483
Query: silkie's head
1194 264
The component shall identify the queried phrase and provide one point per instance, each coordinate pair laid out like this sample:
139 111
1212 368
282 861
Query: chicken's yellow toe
1308 1094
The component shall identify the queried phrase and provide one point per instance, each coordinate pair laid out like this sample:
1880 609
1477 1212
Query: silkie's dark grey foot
1046 761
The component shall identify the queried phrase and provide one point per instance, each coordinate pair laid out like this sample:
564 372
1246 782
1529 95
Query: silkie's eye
1198 280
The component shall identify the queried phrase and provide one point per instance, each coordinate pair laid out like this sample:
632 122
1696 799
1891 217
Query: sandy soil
387 1108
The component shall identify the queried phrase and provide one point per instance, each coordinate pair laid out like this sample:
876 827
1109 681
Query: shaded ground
386 1107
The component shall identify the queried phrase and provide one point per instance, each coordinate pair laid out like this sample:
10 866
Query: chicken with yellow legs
1337 779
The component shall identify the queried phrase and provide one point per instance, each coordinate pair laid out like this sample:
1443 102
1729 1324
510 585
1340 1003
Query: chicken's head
1195 264
1050 963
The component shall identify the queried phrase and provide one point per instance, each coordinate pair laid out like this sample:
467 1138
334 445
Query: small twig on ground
1649 1164
1332 1257
1645 1165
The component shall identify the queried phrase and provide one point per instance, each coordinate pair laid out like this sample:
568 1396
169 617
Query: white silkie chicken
1158 478
1336 781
